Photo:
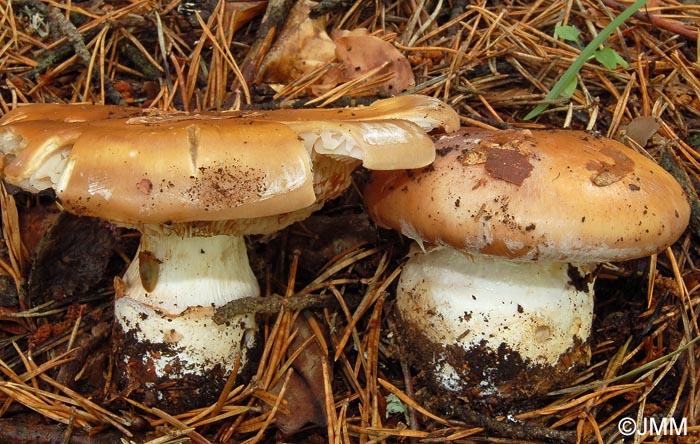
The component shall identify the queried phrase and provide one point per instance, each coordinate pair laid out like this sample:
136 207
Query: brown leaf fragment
302 46
149 268
641 129
609 173
507 164
359 52
35 221
305 392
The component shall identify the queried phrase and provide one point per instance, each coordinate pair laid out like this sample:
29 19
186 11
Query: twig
68 30
145 66
270 305
512 429
74 37
328 6
670 164
52 57
18 432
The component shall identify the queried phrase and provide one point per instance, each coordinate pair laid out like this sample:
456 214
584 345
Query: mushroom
194 185
509 228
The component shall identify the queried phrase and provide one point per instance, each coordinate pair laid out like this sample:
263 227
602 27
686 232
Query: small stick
68 30
668 161
514 430
74 37
688 32
270 26
270 305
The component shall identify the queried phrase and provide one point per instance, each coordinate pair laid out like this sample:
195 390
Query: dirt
71 258
495 382
138 381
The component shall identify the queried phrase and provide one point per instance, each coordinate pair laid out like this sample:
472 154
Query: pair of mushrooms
497 300
509 225
194 185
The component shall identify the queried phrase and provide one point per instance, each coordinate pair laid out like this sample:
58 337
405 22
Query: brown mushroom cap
151 167
389 133
541 195
173 171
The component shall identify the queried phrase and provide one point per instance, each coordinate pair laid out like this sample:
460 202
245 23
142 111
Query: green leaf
394 405
590 49
569 89
567 32
609 58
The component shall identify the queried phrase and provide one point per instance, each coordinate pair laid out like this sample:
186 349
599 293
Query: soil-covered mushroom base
182 388
494 381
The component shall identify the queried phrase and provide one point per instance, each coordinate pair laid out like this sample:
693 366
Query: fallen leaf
359 52
641 129
71 258
302 46
304 395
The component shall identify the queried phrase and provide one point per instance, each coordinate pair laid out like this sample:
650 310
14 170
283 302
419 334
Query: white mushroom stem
171 291
468 301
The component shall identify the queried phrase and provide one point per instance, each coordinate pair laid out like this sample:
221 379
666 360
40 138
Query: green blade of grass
586 54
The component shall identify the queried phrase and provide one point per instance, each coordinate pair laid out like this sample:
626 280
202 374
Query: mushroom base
179 390
494 381
495 331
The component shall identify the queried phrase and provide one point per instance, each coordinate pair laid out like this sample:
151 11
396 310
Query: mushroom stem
171 290
514 315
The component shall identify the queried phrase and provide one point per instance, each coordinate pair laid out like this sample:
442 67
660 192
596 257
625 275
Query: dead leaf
641 129
304 395
242 12
71 258
302 46
359 52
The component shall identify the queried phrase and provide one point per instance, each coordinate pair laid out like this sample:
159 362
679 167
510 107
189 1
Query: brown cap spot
145 186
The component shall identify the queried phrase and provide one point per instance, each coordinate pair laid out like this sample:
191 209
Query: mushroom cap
534 195
172 171
151 167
